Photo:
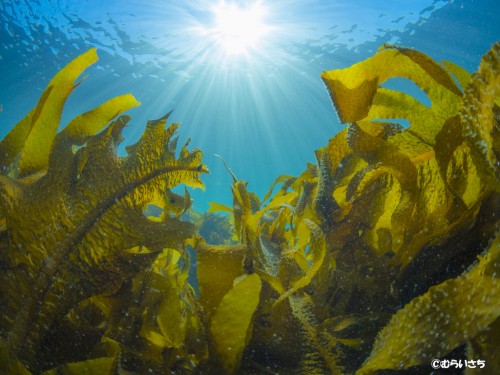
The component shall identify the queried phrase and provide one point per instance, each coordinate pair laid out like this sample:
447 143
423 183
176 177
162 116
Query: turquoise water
262 106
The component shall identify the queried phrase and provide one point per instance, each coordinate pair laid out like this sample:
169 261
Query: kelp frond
71 216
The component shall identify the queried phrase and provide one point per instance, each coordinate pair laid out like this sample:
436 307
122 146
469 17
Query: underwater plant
368 250
381 256
73 226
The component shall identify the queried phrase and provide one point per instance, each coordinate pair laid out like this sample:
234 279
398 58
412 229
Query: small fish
1 107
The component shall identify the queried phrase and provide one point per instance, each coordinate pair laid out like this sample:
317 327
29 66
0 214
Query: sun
237 30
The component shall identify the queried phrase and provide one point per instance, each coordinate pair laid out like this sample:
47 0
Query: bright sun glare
239 29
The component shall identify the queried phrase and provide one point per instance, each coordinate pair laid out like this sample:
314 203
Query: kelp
382 255
231 325
73 212
215 228
388 216
433 324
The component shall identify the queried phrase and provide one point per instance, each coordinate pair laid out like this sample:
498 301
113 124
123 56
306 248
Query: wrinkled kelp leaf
33 136
68 226
431 161
478 116
461 75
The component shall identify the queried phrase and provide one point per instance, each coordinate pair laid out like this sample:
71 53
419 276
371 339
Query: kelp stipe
73 227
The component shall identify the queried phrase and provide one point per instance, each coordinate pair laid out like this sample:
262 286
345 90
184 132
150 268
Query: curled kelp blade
91 122
33 136
357 94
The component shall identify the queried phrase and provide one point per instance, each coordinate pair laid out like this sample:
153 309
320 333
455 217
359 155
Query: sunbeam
238 30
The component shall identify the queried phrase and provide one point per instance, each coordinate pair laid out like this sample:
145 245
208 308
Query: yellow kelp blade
150 153
356 93
286 180
431 67
217 267
13 142
463 76
242 210
231 326
253 220
34 140
93 121
449 314
173 314
375 150
172 321
100 217
216 207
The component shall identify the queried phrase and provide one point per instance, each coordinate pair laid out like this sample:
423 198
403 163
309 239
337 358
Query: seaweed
72 212
215 228
384 207
445 317
380 256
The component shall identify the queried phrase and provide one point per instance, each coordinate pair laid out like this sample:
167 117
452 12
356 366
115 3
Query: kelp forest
379 258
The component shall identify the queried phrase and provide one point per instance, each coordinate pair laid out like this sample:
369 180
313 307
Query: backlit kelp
73 226
366 261
387 217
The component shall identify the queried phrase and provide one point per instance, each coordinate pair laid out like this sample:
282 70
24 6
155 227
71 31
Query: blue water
265 110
